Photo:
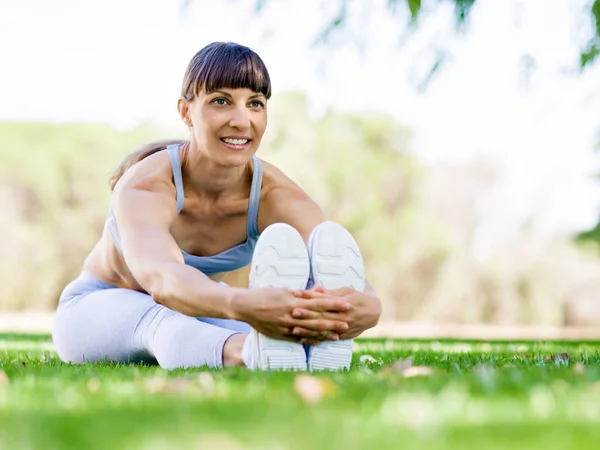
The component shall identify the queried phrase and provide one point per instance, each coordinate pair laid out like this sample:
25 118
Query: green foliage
592 48
478 395
462 9
54 193
415 226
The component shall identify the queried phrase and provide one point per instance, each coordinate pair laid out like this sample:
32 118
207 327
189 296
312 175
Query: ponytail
138 155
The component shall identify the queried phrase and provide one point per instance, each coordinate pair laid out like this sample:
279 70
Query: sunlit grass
475 395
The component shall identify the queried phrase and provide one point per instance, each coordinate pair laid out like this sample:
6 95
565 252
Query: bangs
226 65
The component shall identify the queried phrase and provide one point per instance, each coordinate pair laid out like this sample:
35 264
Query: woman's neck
211 179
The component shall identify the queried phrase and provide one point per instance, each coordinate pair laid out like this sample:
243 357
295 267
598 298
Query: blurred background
456 139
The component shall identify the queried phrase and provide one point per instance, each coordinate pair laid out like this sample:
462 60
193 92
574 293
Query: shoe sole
336 262
280 260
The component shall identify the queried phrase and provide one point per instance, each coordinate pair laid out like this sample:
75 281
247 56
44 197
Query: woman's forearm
187 290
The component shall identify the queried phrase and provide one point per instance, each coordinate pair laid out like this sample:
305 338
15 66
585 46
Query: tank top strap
173 151
254 198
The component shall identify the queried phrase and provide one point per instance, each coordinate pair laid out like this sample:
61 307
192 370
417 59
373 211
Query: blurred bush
416 225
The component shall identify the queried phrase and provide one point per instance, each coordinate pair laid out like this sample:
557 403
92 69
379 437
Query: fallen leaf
93 385
399 366
206 382
176 385
417 371
4 380
313 389
156 384
406 368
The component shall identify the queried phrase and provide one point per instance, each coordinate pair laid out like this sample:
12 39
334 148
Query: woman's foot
232 350
336 262
280 260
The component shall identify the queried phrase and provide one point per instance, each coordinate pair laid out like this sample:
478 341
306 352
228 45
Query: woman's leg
336 261
97 322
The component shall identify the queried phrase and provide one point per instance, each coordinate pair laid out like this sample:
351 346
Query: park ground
399 394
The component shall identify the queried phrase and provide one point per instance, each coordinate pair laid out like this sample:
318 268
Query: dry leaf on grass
417 371
155 384
93 385
406 368
206 382
3 379
399 366
313 389
176 385
579 367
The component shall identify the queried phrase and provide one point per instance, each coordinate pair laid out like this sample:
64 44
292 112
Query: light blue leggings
96 321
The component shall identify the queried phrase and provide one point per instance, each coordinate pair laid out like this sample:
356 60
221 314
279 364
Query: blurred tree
413 10
462 9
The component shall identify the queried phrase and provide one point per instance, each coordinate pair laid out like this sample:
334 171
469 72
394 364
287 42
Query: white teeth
235 141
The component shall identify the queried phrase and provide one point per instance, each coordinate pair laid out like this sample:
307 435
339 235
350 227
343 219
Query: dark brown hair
225 65
218 65
139 154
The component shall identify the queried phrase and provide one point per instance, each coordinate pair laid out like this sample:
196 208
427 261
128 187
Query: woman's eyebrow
222 93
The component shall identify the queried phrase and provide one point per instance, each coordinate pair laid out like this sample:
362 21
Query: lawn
399 395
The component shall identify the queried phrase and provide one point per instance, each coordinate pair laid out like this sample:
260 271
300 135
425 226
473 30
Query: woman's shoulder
153 169
282 200
276 183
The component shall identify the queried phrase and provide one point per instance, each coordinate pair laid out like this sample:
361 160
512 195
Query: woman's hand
269 311
363 313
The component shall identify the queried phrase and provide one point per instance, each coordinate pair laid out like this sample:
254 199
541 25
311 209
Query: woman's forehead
234 92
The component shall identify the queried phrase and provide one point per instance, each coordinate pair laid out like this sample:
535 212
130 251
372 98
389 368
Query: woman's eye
220 101
256 104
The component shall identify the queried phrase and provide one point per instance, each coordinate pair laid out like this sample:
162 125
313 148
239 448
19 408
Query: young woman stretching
185 214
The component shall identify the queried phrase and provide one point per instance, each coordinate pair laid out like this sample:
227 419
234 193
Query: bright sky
122 61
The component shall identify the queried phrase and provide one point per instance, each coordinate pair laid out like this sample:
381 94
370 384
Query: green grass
480 395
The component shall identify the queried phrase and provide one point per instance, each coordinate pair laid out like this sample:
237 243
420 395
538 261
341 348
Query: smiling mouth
236 142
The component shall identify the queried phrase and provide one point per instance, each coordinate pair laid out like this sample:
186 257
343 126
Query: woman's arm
145 207
289 204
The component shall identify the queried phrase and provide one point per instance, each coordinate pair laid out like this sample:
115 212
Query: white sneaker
280 260
336 262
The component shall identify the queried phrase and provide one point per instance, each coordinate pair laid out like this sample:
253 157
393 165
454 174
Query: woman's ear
183 107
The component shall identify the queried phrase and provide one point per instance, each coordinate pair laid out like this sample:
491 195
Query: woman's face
227 124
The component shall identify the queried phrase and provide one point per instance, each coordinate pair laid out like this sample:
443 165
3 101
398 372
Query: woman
183 215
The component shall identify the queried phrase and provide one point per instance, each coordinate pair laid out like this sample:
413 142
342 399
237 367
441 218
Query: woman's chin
236 158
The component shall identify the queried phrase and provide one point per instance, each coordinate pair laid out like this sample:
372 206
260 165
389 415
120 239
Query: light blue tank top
228 260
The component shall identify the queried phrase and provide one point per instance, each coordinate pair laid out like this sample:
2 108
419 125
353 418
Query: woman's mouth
236 143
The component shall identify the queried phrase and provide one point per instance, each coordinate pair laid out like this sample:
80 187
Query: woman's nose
240 118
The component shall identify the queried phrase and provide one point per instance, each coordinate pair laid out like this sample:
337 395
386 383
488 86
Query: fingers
319 292
326 304
305 314
308 294
334 326
315 336
345 290
300 313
